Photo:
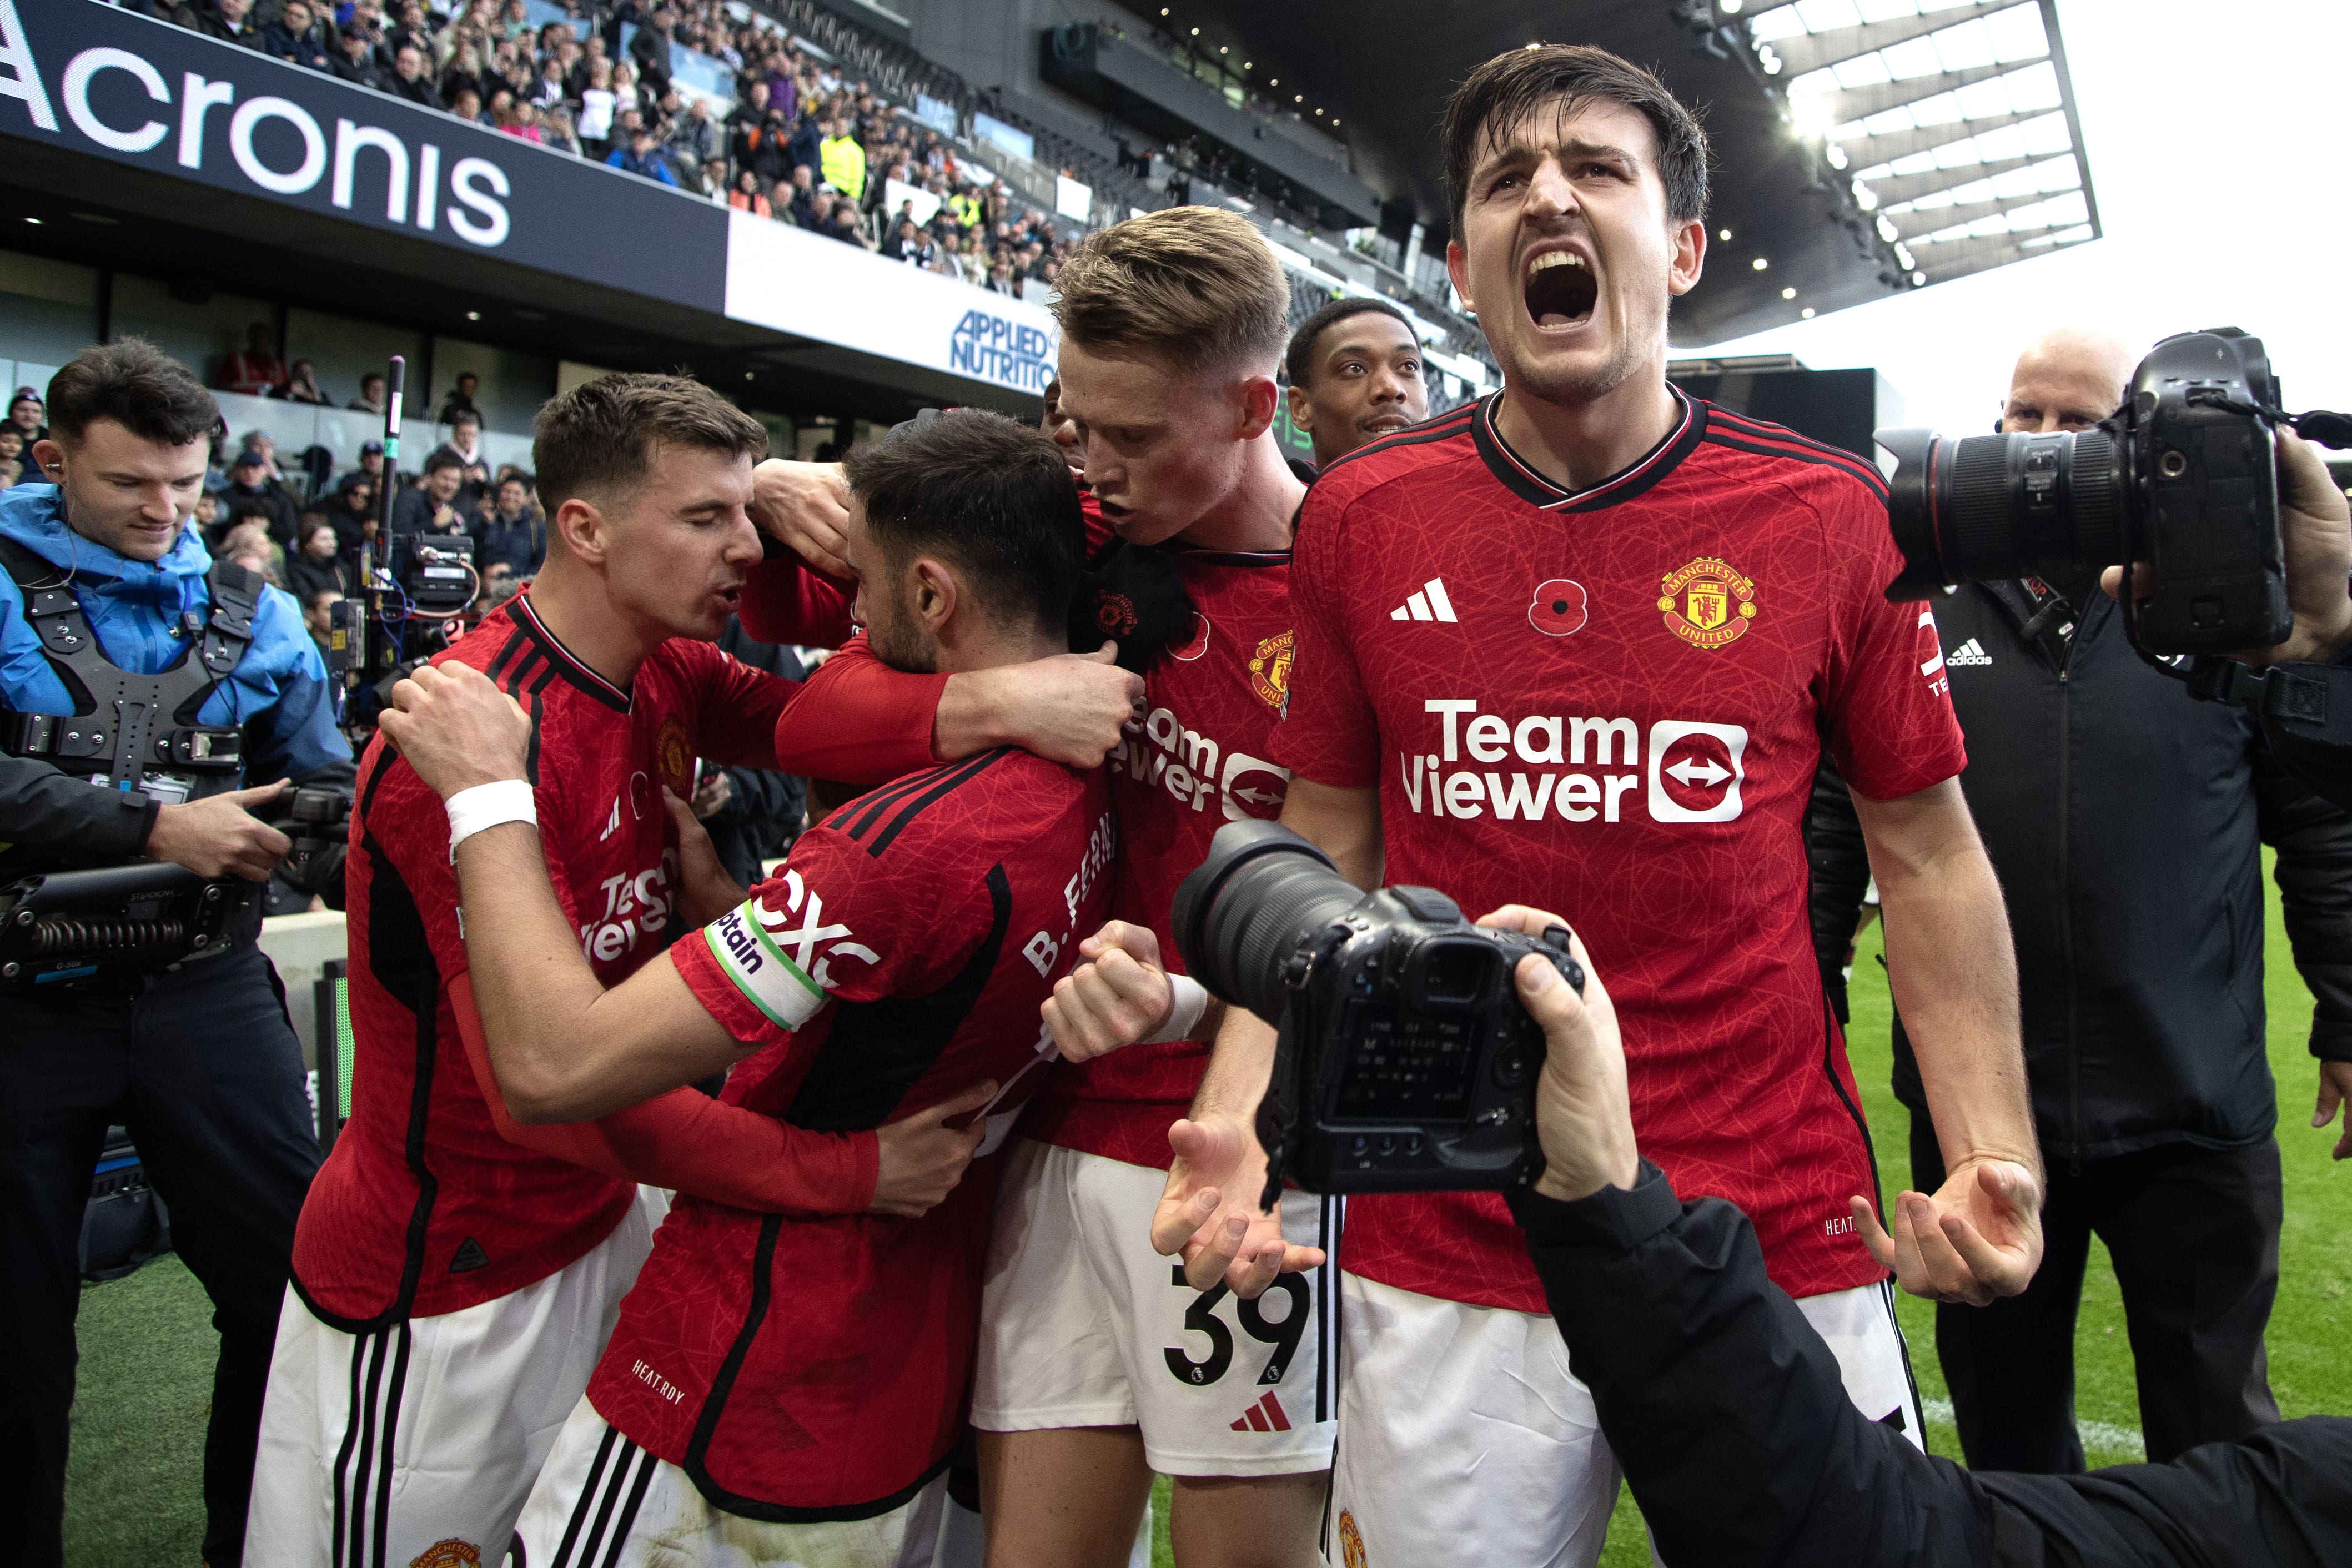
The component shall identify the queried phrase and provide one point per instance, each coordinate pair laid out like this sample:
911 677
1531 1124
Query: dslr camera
2184 476
1405 1062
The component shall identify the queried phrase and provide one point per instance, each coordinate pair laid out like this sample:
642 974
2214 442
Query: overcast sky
2214 131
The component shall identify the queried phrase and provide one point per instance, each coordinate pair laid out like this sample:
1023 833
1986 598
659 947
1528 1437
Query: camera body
2183 476
1405 1062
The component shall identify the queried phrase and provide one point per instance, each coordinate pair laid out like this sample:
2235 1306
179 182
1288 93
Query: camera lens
1242 912
1978 507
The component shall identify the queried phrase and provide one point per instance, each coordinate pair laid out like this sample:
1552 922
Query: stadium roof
1863 147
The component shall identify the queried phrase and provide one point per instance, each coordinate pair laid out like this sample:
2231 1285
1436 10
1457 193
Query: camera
1405 1062
2183 476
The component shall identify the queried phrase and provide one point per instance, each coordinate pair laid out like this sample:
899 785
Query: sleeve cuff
1617 1220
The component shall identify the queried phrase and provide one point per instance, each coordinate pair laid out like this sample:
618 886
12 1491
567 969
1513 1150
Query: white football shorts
1461 1423
420 1441
604 1502
1084 1325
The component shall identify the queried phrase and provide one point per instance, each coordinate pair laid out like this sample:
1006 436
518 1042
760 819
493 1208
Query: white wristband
487 806
1191 999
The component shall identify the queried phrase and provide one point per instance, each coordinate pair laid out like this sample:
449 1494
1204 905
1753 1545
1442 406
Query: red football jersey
815 1367
422 1208
1611 704
1198 760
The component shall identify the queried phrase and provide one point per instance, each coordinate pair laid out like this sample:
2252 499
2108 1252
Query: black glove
1133 594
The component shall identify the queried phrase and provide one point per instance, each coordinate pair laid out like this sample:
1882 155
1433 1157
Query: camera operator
2144 1037
198 1061
1726 1408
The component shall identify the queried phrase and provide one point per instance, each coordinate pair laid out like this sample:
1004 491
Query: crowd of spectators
801 144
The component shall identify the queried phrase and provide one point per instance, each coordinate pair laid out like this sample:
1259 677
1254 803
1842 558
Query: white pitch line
2097 1436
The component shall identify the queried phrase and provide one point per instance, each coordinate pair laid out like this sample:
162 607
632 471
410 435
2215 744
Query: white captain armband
487 805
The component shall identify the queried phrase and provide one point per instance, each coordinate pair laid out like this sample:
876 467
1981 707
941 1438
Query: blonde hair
1194 285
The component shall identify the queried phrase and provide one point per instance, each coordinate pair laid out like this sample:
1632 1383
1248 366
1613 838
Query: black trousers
203 1068
2194 1234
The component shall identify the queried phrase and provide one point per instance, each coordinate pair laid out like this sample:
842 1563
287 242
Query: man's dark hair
137 385
443 459
596 441
992 496
1299 362
464 416
1568 76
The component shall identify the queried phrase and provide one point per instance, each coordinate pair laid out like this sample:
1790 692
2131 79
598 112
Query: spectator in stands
226 20
295 37
432 507
499 583
746 197
640 157
371 399
318 609
302 385
13 448
555 131
316 563
596 106
513 531
693 138
465 443
844 225
460 402
205 515
408 78
26 412
465 103
356 62
628 98
350 510
370 466
255 370
806 148
649 49
247 545
908 244
1000 276
249 482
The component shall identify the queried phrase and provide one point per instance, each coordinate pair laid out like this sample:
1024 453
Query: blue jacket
653 165
277 693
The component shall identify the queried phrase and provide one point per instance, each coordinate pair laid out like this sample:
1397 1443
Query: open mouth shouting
1560 289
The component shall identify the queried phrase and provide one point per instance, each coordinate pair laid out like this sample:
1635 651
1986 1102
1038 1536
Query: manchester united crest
674 757
1269 670
1351 1542
450 1553
1707 603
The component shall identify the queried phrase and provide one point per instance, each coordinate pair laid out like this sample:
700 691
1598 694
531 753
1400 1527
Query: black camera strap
124 722
2293 696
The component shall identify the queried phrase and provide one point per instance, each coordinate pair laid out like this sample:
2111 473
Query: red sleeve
788 601
1329 733
686 1140
1892 728
858 720
735 706
836 921
1098 532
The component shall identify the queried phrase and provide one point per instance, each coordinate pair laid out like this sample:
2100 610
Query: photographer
198 1061
2144 1037
1726 1409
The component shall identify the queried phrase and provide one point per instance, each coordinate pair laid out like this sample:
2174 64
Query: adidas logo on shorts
1968 652
1266 1414
1429 603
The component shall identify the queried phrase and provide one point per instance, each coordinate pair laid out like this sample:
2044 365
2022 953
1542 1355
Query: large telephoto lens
1242 912
1978 507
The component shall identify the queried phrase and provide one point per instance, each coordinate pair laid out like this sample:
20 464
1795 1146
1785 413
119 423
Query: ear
1690 257
1457 269
584 531
1302 412
1259 398
46 455
933 593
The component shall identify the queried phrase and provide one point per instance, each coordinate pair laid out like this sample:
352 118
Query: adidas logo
1968 652
1266 1414
613 824
1429 604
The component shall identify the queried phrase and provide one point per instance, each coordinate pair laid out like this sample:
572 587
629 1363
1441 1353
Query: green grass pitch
146 1369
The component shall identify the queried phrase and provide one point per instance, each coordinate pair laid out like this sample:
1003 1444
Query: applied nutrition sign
90 77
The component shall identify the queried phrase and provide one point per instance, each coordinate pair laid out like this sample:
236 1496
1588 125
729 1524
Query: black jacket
2126 823
1732 1421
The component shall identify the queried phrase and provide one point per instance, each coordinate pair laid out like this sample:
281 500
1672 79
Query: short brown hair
137 385
994 496
1194 285
1512 86
596 441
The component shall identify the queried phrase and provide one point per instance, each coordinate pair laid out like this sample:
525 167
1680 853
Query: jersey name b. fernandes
422 1208
1197 760
1611 704
803 1367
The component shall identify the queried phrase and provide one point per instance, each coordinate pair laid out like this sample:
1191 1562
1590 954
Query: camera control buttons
1512 1066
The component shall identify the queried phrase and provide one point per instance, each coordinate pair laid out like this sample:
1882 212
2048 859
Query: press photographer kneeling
142 685
1409 1061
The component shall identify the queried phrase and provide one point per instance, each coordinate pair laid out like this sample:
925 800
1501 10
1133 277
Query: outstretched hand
1977 1239
1209 1214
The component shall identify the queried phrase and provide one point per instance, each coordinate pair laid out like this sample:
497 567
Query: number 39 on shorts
1200 1318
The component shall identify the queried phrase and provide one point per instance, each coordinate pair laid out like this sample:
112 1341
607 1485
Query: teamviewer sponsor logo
1428 602
1968 652
1689 764
1161 753
1694 770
